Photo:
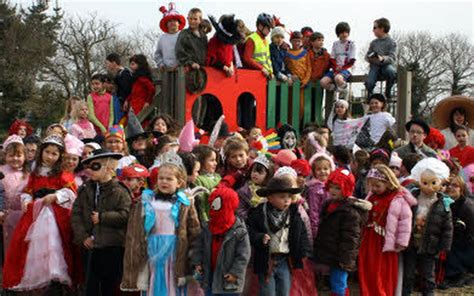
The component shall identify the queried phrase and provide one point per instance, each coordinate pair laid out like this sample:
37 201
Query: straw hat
444 109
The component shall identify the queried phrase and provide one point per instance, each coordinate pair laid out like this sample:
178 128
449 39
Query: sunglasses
95 166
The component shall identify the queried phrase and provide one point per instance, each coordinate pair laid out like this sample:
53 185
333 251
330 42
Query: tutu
45 257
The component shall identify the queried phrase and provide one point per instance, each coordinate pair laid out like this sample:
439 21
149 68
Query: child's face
86 152
289 140
194 20
403 171
396 171
133 66
322 169
55 131
114 144
22 132
169 147
454 189
378 31
134 184
296 43
238 158
173 26
378 186
335 191
31 151
160 126
324 132
255 133
210 164
318 43
375 106
461 137
98 170
258 175
344 36
376 162
459 118
340 110
300 181
97 85
167 183
15 159
70 162
83 112
139 145
280 200
278 39
50 155
195 173
429 183
417 135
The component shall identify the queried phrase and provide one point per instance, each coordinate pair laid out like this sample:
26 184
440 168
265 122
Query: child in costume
463 151
171 226
222 51
191 46
432 225
319 56
208 178
82 128
297 59
387 232
171 23
100 104
222 251
72 158
278 236
143 88
41 252
343 57
288 139
342 220
260 172
137 138
15 178
115 142
99 220
236 162
164 124
21 128
321 167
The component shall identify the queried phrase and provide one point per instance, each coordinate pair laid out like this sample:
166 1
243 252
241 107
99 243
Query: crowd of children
95 209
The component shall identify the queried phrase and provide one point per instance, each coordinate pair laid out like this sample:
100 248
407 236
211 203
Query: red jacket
465 156
143 91
319 63
219 54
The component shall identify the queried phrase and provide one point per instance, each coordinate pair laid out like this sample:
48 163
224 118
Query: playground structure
247 99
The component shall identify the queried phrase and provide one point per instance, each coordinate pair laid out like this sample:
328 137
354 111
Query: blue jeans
338 279
345 73
209 290
279 281
380 72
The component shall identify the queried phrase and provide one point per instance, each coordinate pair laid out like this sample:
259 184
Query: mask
223 202
289 140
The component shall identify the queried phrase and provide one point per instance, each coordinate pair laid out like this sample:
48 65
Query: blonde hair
462 184
294 183
392 181
77 108
179 173
70 103
235 144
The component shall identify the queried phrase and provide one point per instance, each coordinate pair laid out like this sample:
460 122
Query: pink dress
83 129
14 182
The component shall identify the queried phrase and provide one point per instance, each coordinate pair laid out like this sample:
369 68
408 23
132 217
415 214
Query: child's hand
230 278
266 239
266 73
125 106
2 217
88 243
198 269
24 206
399 248
195 66
49 199
95 218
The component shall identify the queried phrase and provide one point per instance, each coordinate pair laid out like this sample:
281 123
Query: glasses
453 185
95 166
416 132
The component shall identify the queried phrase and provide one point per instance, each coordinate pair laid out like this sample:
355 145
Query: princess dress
41 249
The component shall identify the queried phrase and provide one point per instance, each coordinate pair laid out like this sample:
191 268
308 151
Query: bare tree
458 63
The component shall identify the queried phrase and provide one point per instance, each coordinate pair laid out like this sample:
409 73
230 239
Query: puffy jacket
463 219
438 232
340 233
315 197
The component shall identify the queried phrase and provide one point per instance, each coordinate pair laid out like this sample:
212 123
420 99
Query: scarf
276 218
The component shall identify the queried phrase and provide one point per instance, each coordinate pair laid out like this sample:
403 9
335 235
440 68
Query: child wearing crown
171 225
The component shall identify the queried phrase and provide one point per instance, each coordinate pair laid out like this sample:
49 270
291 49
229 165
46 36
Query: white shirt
165 54
343 51
451 141
379 123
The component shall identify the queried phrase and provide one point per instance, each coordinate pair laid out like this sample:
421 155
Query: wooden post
295 103
328 103
319 93
180 91
271 103
284 107
404 100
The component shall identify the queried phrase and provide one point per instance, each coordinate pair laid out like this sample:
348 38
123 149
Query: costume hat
186 139
171 14
226 29
12 139
278 185
74 146
102 153
344 179
443 111
134 127
135 171
116 131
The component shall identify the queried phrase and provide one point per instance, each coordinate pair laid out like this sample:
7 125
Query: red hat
284 157
135 171
223 202
171 14
344 179
436 137
15 127
301 166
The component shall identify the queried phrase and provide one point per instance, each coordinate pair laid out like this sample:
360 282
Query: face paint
289 140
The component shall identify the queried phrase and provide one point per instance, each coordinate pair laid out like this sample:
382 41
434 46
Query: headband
376 174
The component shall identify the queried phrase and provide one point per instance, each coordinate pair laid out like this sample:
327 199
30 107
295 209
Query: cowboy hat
278 185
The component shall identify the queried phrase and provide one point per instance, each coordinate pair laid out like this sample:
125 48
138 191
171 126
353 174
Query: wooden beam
404 81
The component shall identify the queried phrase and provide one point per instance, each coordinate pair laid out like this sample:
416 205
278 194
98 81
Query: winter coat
438 231
319 63
340 233
316 195
463 220
424 151
399 221
191 48
277 55
233 258
113 206
143 92
297 238
219 54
